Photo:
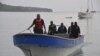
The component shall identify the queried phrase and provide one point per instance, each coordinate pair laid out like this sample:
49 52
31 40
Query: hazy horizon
56 5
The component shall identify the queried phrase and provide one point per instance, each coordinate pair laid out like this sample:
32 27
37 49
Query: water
14 22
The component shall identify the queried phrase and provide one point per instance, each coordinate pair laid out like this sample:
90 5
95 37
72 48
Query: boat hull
85 15
30 50
46 45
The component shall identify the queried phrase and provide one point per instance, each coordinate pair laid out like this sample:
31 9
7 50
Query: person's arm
69 30
55 29
49 29
65 29
78 29
44 25
31 25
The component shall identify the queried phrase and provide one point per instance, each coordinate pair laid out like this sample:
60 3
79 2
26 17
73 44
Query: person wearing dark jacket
76 31
52 28
70 30
62 29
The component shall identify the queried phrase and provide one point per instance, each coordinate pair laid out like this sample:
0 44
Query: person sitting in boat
52 28
62 29
39 23
70 30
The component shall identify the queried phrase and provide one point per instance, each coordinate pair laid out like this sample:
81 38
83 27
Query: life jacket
38 23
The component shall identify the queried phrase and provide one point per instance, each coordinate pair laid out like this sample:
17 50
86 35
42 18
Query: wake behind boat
48 45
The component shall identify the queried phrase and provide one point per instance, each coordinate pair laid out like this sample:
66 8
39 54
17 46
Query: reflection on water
79 53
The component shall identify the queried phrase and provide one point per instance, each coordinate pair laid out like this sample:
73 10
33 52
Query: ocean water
16 22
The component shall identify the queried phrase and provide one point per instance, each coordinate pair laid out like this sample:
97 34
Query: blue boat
48 45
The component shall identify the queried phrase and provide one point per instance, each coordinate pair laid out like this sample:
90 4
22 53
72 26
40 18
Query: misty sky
56 5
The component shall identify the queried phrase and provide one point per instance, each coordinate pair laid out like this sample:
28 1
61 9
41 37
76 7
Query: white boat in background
88 13
85 14
48 45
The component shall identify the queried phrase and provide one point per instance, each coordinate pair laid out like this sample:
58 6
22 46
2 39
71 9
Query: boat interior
56 35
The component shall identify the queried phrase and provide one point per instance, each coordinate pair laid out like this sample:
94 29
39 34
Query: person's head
38 16
51 22
72 24
75 23
62 24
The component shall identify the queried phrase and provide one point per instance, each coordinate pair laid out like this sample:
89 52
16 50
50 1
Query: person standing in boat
39 24
70 30
62 29
76 29
52 28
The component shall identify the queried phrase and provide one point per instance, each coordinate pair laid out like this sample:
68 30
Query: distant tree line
10 8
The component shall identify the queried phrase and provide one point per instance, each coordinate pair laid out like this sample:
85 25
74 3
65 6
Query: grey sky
56 5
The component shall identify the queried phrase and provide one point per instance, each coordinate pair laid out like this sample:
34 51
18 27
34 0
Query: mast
88 5
92 5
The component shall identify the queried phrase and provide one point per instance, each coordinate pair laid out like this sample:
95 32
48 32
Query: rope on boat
26 30
30 31
23 31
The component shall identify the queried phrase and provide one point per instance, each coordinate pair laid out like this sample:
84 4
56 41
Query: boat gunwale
53 36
